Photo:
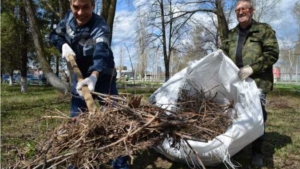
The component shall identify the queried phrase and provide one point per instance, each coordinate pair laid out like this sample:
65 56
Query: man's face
82 11
244 13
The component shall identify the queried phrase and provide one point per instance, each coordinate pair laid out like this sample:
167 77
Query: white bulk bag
215 72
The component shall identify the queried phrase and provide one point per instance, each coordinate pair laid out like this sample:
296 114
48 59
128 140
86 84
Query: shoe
71 167
257 160
121 163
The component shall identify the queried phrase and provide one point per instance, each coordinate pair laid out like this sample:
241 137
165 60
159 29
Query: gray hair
249 1
92 1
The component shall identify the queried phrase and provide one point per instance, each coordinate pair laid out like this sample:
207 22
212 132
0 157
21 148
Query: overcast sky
284 24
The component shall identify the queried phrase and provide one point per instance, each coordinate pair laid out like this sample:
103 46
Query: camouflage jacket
260 51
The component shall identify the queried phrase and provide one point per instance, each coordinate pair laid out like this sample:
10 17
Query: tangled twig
118 129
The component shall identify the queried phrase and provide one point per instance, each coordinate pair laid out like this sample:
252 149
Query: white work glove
89 81
245 72
66 51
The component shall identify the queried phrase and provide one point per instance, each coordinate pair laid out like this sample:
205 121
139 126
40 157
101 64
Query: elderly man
254 49
85 35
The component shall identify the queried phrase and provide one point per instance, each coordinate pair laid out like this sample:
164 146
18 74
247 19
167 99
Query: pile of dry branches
117 129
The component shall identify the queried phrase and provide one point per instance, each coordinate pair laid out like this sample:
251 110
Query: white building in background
126 74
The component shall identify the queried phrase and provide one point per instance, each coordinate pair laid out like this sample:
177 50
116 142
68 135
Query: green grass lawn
22 122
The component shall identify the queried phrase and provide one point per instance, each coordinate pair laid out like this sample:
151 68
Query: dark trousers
257 144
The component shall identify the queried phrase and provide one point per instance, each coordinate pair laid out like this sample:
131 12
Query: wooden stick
55 117
115 97
85 91
195 153
55 158
190 137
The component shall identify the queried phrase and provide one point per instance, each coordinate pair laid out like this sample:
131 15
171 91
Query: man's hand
89 81
245 72
66 51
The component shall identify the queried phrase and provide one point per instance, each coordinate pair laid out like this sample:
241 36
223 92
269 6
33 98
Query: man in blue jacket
85 35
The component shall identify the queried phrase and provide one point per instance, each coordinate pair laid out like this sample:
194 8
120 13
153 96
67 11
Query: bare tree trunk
163 29
108 11
11 75
222 28
121 65
63 8
38 43
142 45
23 40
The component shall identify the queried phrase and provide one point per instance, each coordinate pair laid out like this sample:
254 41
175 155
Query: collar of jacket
76 33
253 28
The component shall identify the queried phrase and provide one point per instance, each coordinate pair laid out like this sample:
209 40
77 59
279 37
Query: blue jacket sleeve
103 56
57 36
